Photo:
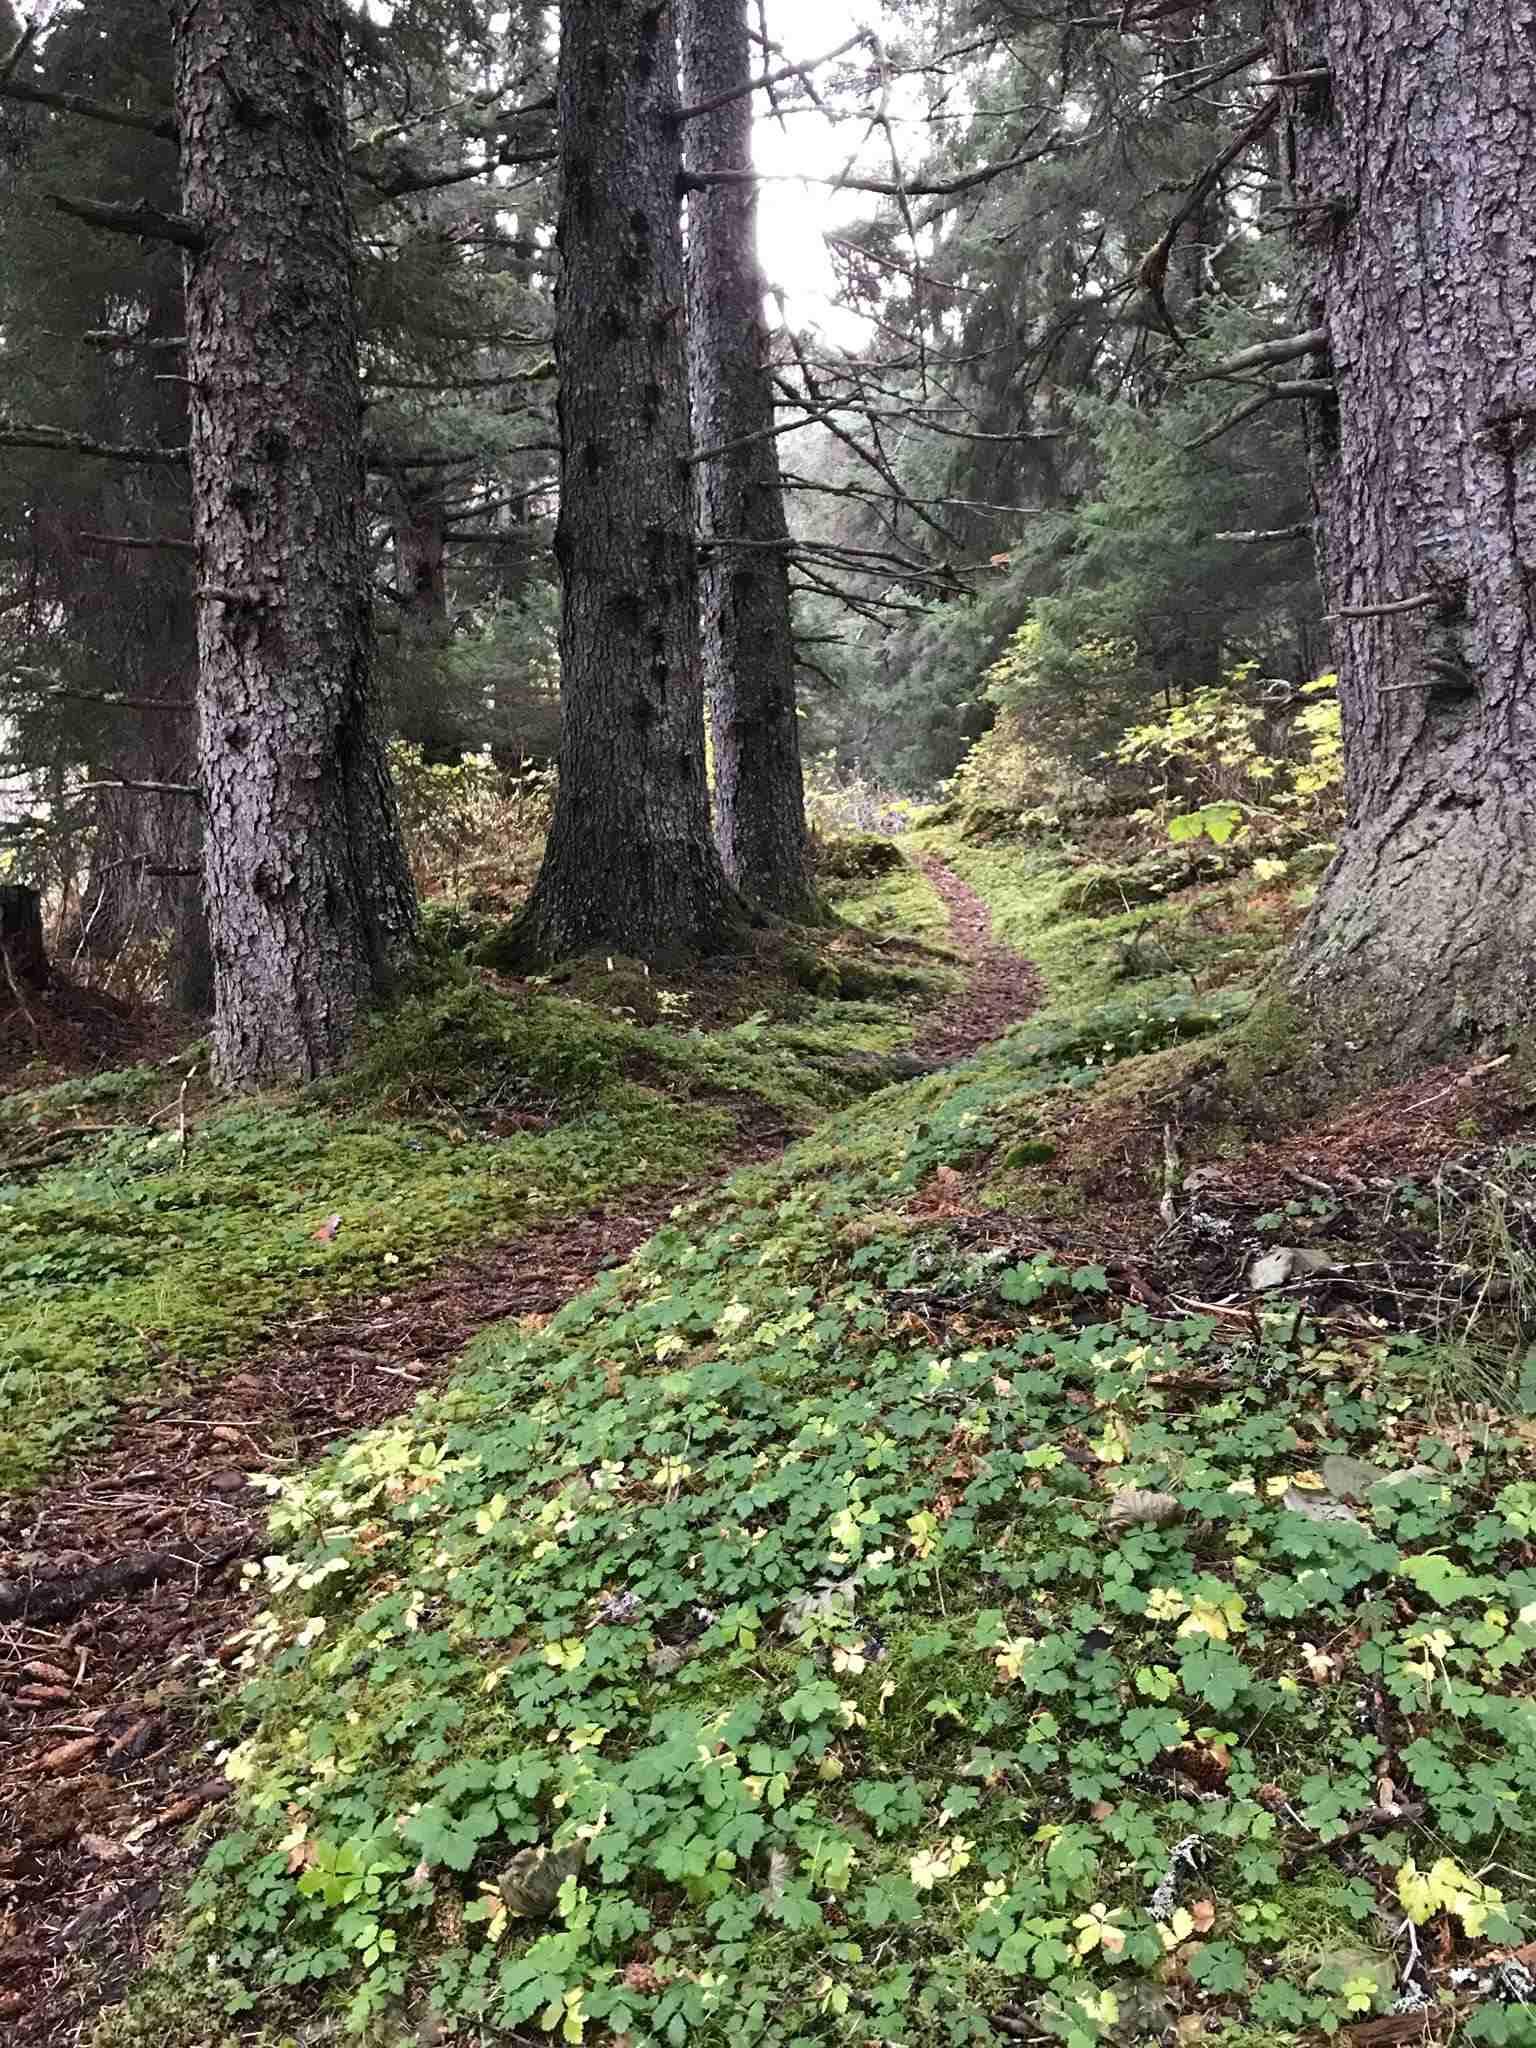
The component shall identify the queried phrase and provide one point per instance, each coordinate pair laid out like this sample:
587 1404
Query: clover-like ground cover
834 1627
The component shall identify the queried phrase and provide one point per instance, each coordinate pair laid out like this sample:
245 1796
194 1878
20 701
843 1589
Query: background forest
999 506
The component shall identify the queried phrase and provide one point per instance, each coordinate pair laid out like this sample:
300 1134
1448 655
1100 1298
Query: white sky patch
795 219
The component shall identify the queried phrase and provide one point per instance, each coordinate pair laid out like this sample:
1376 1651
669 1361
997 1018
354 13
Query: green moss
1030 1152
899 901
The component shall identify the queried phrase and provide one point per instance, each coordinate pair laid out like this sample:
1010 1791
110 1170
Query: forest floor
125 1578
1051 1555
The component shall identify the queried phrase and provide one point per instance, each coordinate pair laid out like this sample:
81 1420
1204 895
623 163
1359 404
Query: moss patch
472 1113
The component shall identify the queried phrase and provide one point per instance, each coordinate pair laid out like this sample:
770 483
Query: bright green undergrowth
823 1630
1034 894
471 1115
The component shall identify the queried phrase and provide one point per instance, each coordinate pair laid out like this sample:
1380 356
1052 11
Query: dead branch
62 443
1152 273
1426 600
62 1596
149 541
768 80
159 125
140 788
1261 536
885 188
1265 353
147 223
1295 387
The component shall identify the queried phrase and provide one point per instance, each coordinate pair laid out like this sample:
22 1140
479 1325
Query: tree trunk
748 639
1420 158
308 890
630 861
23 955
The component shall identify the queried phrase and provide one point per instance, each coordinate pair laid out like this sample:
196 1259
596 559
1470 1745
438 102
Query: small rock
1318 1507
1134 1507
1286 1262
530 1884
1350 1478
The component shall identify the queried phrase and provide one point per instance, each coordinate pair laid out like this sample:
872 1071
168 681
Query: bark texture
308 890
1419 156
746 630
630 862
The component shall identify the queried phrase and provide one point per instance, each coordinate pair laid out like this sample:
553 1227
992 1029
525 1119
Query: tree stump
21 938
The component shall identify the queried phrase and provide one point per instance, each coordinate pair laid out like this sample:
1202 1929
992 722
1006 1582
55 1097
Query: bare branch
806 419
1295 387
386 460
404 183
17 51
539 373
104 337
158 125
146 222
139 788
1265 353
1427 600
55 438
150 542
769 79
1152 273
885 188
1260 536
120 703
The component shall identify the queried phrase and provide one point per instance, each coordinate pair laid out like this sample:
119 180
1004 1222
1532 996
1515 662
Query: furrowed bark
309 895
1416 166
630 862
747 635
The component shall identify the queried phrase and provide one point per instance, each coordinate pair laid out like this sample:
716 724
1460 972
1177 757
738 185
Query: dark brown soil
66 1031
107 1785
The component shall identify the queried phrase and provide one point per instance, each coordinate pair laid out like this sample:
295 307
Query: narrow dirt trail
1003 987
103 1752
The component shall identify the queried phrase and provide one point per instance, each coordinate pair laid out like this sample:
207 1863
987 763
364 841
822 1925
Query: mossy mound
854 856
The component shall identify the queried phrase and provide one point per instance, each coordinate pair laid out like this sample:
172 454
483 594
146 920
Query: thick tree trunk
630 861
308 890
421 565
23 955
1420 158
748 639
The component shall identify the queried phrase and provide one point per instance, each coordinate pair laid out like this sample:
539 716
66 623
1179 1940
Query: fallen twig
62 1596
1365 1824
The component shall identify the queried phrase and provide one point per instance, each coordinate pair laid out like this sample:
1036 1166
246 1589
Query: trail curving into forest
120 1580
